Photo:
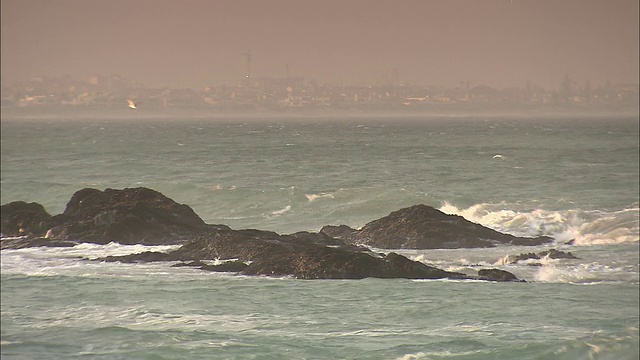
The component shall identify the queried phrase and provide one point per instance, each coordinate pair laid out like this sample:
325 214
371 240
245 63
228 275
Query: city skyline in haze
191 43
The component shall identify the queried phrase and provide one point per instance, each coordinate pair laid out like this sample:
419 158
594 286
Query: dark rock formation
227 266
19 218
129 216
342 232
551 254
145 216
28 242
424 227
272 254
497 275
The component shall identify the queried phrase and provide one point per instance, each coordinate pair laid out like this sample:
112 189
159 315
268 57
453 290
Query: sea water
568 177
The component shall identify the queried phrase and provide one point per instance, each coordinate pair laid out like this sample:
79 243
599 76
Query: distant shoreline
112 112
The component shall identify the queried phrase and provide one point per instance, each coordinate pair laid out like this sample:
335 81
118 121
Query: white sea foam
418 355
281 211
577 274
312 197
53 261
583 227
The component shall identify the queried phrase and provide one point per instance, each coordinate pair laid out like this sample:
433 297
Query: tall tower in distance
248 55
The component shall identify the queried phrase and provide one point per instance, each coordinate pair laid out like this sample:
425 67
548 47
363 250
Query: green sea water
572 178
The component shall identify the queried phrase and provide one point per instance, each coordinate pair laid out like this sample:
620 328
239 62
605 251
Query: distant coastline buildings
295 93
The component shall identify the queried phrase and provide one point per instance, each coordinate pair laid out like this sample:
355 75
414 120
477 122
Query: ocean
571 177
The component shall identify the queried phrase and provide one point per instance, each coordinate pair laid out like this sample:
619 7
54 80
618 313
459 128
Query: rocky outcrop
145 216
424 227
497 275
268 253
20 218
128 216
549 254
29 242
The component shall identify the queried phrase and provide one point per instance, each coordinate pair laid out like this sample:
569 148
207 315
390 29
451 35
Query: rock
557 254
424 227
319 238
19 218
551 254
497 275
145 216
128 216
228 266
146 256
190 264
28 242
400 266
342 232
272 254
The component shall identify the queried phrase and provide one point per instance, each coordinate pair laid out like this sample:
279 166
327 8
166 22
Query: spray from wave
583 228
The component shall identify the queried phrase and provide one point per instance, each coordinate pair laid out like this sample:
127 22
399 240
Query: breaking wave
583 228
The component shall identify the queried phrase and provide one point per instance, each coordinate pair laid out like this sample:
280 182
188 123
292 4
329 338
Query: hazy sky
193 43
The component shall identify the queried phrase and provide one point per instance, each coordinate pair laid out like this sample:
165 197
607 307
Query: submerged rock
424 227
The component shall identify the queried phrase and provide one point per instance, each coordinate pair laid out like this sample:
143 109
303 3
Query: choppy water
570 178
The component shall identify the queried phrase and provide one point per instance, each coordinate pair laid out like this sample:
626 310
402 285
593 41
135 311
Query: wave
312 197
281 211
55 261
582 227
579 274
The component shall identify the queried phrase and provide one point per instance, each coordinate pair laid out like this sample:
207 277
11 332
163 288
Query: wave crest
583 228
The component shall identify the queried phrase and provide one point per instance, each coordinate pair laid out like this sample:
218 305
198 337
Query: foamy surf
53 261
582 228
281 211
590 273
313 197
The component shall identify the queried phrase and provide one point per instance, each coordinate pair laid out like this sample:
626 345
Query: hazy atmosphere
498 43
327 179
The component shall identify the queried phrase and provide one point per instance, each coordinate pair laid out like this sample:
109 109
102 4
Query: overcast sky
193 43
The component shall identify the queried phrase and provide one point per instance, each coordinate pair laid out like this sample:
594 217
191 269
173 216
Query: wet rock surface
20 218
497 275
424 227
270 254
145 216
549 254
128 216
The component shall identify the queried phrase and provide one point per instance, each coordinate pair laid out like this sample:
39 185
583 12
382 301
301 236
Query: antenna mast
248 55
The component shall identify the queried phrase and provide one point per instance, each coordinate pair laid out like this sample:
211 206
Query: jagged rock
145 216
20 218
424 227
272 254
128 216
557 254
551 254
497 275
